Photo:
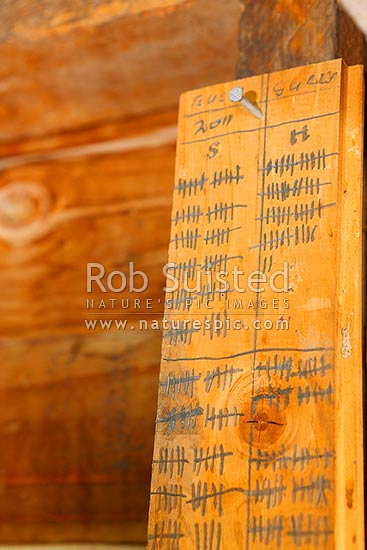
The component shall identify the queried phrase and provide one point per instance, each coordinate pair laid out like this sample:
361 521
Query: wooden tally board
259 429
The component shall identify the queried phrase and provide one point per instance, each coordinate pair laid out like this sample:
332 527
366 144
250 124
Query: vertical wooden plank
248 453
349 358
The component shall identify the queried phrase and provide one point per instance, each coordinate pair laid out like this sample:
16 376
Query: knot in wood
22 203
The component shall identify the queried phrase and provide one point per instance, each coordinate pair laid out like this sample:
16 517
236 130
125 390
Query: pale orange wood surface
349 523
259 424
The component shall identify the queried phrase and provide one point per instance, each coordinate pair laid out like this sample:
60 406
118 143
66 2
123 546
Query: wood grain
85 87
112 200
289 34
22 21
58 76
77 420
349 530
259 429
76 436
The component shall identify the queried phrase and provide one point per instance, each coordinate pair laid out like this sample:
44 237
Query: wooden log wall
78 406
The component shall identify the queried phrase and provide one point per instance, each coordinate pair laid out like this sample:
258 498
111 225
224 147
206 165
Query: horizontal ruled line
277 98
244 353
216 109
269 126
